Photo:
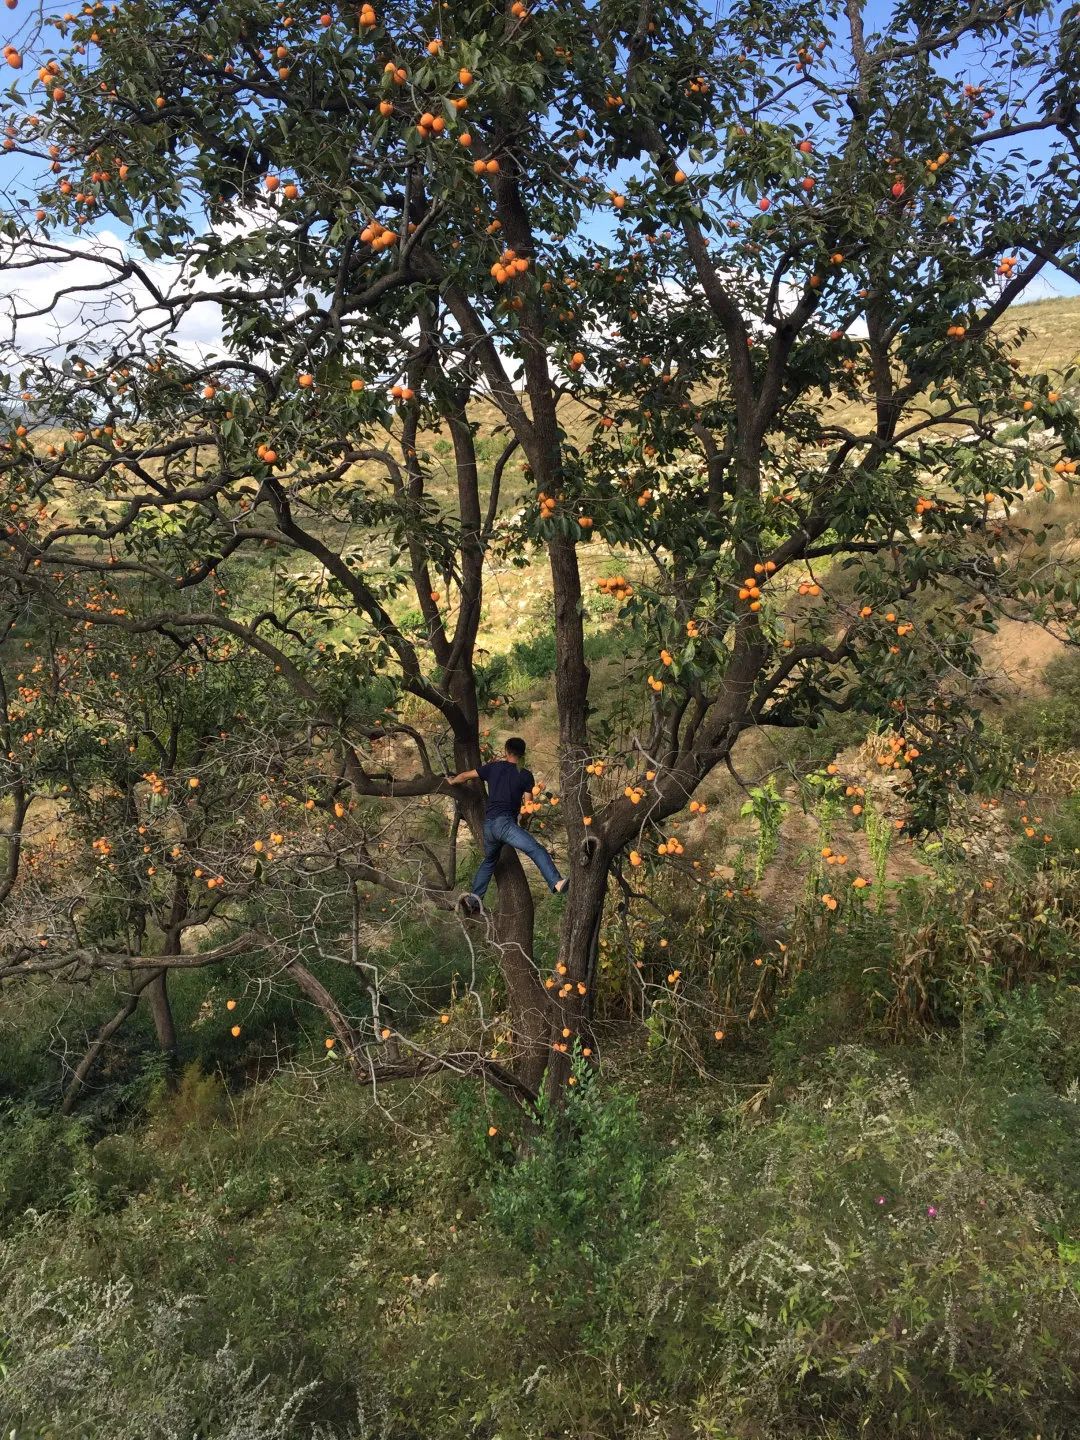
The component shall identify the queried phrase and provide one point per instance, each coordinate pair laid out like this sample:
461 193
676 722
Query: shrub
1062 850
837 990
1033 1034
534 658
195 1106
39 1158
1050 723
740 1280
854 1266
85 1359
575 1202
492 678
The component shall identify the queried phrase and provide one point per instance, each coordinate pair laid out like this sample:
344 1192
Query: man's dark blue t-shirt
507 786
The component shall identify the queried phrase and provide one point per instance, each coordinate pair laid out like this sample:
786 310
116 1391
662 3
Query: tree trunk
318 994
102 1038
527 1000
157 996
157 993
10 872
581 933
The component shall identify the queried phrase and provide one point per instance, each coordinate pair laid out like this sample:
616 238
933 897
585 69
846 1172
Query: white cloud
68 291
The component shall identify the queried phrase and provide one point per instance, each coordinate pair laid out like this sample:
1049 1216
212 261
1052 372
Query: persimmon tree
168 841
668 257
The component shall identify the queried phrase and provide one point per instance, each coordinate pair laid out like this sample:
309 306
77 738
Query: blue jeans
500 830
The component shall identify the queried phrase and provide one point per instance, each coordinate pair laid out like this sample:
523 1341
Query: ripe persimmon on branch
731 300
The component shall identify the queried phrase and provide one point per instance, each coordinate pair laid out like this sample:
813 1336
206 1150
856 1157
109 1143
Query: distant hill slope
1051 343
1054 341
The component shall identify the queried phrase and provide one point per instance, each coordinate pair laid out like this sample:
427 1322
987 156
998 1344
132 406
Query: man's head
515 748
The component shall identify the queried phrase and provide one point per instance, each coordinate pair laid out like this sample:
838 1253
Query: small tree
654 254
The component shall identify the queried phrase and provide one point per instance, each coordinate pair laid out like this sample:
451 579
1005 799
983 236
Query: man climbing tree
508 783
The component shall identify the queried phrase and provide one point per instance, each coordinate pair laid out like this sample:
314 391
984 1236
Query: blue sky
16 172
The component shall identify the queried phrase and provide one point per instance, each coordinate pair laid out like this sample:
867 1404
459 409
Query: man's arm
465 775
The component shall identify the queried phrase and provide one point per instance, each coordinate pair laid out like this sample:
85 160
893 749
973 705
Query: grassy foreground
856 1217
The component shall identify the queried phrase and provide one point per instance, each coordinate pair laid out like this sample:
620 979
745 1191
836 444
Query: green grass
856 1216
855 1257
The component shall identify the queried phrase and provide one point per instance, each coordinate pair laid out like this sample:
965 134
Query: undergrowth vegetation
851 1209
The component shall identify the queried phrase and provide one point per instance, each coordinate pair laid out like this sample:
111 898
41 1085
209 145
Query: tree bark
157 992
20 805
157 996
527 1000
512 938
318 994
102 1038
581 933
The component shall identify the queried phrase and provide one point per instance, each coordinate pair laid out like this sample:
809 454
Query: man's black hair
515 746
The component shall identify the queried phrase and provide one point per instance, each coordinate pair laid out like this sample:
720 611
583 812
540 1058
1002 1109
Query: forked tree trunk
527 1000
581 932
157 993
